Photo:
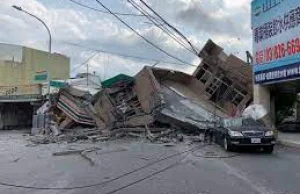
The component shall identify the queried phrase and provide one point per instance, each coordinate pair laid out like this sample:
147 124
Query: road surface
129 167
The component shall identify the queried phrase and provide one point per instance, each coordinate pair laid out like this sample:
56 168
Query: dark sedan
244 133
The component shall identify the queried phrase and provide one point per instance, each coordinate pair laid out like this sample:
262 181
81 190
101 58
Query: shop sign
41 76
276 40
58 84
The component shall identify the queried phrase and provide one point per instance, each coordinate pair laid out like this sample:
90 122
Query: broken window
211 89
223 92
220 94
236 94
204 74
241 90
205 77
200 74
237 97
227 81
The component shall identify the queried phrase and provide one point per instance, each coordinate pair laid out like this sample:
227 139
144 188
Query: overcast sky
227 22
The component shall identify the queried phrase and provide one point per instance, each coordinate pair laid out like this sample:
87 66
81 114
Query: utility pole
249 58
87 76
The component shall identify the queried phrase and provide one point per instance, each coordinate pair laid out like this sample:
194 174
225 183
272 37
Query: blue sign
276 40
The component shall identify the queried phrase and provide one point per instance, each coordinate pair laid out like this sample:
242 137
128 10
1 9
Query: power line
160 26
171 26
107 181
147 177
193 50
127 56
84 63
105 12
154 21
141 36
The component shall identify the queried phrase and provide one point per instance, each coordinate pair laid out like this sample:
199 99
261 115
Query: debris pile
156 104
117 105
139 107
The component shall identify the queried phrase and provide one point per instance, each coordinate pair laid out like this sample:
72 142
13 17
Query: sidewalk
289 139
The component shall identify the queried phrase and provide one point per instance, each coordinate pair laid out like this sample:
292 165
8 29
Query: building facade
24 78
224 80
23 70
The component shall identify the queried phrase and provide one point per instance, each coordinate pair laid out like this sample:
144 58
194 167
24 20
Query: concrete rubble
157 104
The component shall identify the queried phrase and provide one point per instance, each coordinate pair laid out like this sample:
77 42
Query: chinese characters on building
278 25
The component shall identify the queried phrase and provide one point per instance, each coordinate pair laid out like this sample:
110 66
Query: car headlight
235 134
269 133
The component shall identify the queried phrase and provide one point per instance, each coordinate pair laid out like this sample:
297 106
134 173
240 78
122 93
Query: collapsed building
162 99
225 80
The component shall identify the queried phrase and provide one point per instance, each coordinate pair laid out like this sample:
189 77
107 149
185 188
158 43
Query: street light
50 38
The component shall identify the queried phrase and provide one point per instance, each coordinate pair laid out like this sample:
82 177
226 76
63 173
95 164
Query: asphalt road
155 168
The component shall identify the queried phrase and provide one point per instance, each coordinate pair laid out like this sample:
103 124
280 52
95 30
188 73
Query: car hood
249 128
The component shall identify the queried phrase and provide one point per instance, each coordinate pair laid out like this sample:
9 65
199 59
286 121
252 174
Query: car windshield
252 122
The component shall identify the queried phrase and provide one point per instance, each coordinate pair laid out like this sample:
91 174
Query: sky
226 22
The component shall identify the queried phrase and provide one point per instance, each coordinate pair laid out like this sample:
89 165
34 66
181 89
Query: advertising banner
276 40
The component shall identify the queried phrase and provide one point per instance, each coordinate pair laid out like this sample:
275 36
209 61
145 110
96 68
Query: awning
114 81
75 109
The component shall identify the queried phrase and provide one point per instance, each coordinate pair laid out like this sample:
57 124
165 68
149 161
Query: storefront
276 51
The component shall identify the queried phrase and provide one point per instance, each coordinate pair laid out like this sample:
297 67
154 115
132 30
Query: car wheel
269 149
226 146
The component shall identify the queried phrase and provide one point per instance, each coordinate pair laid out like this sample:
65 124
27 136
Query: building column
1 117
272 110
262 96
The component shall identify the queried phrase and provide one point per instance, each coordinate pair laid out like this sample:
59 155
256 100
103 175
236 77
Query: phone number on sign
278 51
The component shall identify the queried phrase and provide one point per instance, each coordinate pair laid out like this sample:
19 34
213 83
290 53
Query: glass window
205 77
204 74
237 98
211 89
241 90
200 74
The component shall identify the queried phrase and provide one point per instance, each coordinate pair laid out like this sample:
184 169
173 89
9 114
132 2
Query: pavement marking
238 174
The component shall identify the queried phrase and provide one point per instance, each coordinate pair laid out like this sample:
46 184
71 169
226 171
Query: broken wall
181 103
104 109
147 88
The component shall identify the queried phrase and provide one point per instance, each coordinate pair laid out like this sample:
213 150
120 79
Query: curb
290 144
